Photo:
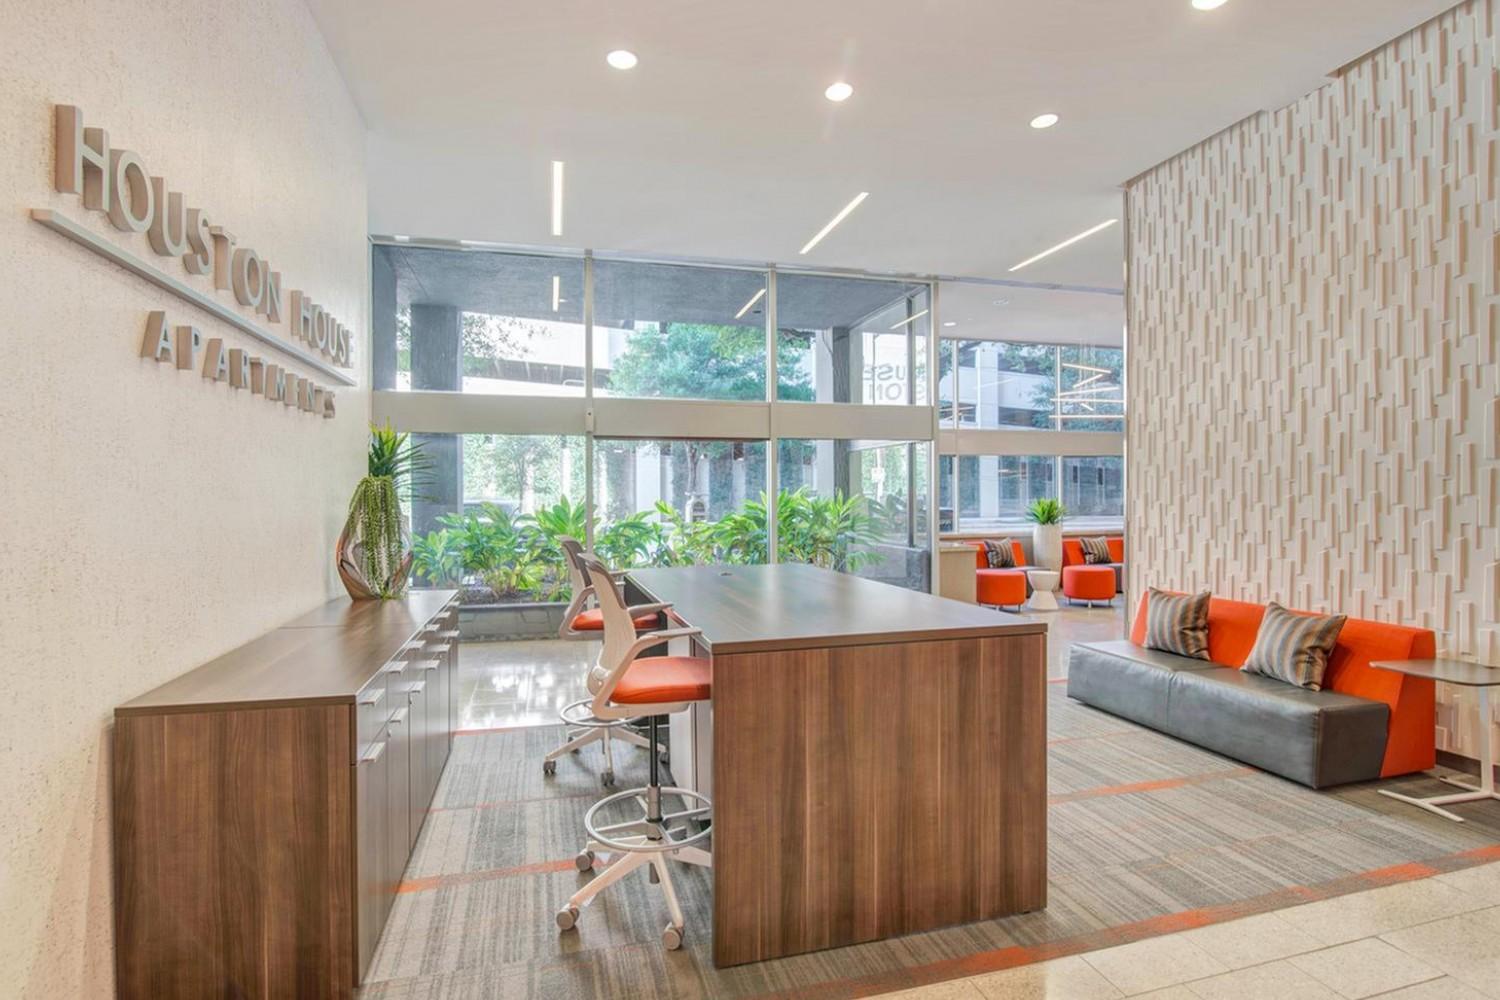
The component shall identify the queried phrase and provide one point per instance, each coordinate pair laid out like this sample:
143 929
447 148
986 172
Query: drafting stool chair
626 684
580 622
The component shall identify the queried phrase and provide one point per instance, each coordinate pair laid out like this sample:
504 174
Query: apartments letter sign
116 182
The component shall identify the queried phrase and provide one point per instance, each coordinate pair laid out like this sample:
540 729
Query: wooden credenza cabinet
266 803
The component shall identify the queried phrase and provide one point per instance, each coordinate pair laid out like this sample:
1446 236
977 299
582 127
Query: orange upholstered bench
1089 583
1364 724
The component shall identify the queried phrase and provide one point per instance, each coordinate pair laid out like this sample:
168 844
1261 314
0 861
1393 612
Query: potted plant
1046 517
372 555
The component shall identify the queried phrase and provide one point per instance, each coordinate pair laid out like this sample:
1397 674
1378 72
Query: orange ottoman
1089 583
1004 587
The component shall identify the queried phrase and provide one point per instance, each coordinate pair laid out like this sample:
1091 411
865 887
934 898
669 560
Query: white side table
1043 587
1481 678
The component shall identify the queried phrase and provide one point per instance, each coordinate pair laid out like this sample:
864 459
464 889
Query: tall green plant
394 456
375 514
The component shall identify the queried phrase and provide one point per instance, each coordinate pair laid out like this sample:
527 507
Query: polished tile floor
507 684
1428 939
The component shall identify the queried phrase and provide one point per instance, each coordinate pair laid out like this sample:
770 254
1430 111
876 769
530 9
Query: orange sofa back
1411 736
1073 551
982 561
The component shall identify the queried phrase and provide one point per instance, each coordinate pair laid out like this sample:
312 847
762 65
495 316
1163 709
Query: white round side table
1043 585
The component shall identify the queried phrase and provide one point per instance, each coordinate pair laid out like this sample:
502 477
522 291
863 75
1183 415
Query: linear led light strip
557 197
1091 389
746 307
1087 368
1092 378
1065 244
843 214
556 291
910 319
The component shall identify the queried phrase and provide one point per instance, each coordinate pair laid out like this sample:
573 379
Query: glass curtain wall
1007 385
642 335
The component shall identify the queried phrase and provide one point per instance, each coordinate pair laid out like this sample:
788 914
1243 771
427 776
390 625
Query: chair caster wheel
584 861
607 779
549 767
567 918
671 938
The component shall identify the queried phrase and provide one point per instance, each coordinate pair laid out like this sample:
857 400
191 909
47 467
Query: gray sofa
1317 738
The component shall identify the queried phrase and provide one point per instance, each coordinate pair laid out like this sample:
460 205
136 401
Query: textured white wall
150 520
1314 316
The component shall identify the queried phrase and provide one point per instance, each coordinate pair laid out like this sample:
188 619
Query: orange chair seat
1088 583
662 680
593 621
1005 587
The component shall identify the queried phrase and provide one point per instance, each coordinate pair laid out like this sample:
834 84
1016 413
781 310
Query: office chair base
654 860
644 834
577 716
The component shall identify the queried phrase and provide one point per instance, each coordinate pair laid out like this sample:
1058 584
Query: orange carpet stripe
497 803
1149 786
488 875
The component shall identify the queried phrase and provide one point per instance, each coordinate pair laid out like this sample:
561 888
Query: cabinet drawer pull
439 647
395 667
373 696
373 754
398 716
416 687
451 633
425 665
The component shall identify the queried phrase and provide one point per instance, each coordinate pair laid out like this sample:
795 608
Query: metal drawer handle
373 754
395 667
373 697
427 664
398 716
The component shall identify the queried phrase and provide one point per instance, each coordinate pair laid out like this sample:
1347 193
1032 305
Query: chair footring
640 834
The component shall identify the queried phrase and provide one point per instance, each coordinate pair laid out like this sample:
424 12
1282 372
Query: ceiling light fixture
1087 368
910 319
1044 121
843 214
557 197
1209 4
1065 243
556 291
949 322
838 92
746 307
401 239
622 59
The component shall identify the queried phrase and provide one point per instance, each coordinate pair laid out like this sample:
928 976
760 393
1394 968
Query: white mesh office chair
626 684
582 622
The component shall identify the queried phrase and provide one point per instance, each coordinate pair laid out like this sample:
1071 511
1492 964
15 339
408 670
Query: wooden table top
795 606
323 657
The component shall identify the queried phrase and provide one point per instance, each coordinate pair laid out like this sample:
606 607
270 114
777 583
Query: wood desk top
323 657
795 606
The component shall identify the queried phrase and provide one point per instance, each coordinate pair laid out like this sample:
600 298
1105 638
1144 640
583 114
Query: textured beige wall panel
1314 316
151 519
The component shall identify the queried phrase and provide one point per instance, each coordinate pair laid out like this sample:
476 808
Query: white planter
1046 546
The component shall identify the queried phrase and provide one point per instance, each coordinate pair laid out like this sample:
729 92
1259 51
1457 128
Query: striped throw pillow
1294 648
1177 623
1000 555
1095 550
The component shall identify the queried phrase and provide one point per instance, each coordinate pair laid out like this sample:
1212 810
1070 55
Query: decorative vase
349 556
1046 546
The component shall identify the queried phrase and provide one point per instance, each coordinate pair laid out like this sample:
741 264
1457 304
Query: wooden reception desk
266 803
879 757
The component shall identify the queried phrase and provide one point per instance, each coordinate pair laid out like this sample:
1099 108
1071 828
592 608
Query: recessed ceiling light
1002 302
1044 121
557 197
401 239
556 291
949 322
622 59
746 307
1065 243
839 91
843 214
1209 4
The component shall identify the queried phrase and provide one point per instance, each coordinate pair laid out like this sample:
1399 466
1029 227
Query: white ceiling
720 144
